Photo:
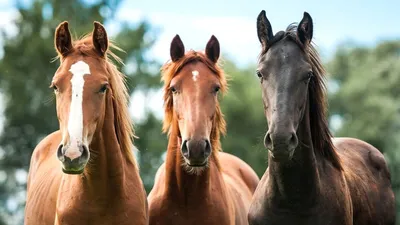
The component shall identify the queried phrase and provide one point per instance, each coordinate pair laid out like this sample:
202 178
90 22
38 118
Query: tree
152 144
26 72
367 101
244 115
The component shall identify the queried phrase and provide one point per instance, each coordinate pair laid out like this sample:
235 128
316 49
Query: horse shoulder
362 152
238 169
42 182
45 149
241 182
368 178
159 213
157 191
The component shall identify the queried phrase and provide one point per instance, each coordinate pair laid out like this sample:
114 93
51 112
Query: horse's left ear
212 49
100 39
305 29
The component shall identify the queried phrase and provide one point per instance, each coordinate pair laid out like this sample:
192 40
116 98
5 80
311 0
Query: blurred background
359 42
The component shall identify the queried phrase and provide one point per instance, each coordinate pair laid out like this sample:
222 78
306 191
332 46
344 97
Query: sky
233 22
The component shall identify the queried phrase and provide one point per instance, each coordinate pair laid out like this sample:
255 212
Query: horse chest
320 215
113 215
41 203
170 212
328 209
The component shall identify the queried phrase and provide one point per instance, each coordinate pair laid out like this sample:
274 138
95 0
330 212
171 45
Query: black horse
312 178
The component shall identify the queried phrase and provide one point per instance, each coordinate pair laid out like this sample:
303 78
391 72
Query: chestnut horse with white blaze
86 173
198 184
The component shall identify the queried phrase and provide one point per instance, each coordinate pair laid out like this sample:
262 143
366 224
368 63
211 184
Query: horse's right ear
62 39
264 29
177 50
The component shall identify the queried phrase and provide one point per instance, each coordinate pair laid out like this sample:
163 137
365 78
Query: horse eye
259 74
103 88
173 89
217 89
54 87
307 79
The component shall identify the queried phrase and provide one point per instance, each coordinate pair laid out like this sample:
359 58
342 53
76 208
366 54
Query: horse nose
196 151
281 141
73 161
268 141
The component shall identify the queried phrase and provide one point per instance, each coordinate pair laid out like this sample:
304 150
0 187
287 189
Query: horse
85 172
312 177
198 183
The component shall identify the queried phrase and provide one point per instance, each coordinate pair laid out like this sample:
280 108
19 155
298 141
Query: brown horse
85 173
312 178
198 184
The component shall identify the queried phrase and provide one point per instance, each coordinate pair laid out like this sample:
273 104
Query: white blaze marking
195 74
75 120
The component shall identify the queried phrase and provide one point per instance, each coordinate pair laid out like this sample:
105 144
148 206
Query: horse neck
185 187
105 171
296 181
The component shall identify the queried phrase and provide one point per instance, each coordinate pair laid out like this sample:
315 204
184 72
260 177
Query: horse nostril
207 150
60 154
293 141
185 149
85 152
268 141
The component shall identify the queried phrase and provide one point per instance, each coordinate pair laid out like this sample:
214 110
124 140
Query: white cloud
129 14
141 103
6 22
5 3
137 106
155 99
237 35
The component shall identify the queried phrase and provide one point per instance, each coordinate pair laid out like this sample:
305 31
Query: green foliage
152 144
368 98
246 123
368 95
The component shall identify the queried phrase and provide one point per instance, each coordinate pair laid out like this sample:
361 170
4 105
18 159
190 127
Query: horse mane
122 121
320 133
169 70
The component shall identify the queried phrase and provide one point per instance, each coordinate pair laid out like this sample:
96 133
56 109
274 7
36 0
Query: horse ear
305 29
177 49
62 39
264 29
212 49
100 39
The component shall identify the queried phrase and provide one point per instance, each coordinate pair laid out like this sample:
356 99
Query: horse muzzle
282 155
196 152
281 145
73 158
